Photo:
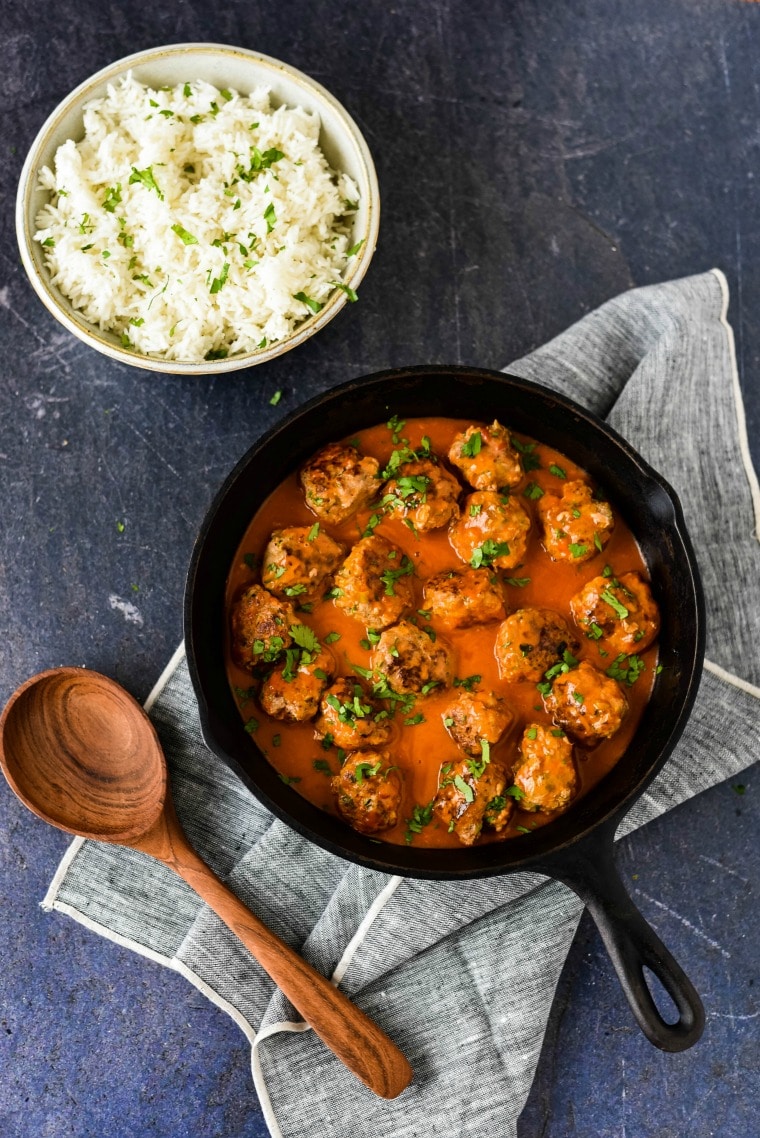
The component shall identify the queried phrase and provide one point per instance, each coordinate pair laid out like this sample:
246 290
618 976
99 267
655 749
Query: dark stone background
535 158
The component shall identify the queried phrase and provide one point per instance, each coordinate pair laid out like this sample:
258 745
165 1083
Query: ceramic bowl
225 67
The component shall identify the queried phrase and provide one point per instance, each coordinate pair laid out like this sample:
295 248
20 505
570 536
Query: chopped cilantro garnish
577 549
421 816
390 576
620 610
557 471
112 198
273 403
314 531
518 582
185 237
473 446
270 218
464 788
350 293
367 770
626 669
372 523
314 305
332 637
528 458
218 283
304 637
145 177
468 683
488 552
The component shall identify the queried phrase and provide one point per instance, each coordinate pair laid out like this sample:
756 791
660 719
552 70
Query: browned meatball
492 530
411 661
260 627
374 584
587 704
545 773
338 481
350 718
474 716
424 493
463 597
621 612
530 641
293 689
299 561
470 795
577 525
368 791
486 457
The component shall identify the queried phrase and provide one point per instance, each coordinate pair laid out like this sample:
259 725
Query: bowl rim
477 861
90 334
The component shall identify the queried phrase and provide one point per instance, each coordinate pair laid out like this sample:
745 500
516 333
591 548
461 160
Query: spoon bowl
78 754
83 755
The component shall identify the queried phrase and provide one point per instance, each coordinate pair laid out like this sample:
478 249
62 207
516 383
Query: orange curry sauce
422 749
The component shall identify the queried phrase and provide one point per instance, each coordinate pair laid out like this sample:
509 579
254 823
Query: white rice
188 220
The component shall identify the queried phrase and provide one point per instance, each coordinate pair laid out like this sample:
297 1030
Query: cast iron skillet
577 847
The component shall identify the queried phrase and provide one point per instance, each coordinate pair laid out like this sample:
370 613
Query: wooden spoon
82 754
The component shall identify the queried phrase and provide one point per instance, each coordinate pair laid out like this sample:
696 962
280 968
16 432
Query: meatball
492 530
577 525
424 493
463 597
299 560
411 661
546 773
374 584
474 716
338 481
530 641
292 690
486 457
470 795
623 612
368 791
260 627
350 718
587 704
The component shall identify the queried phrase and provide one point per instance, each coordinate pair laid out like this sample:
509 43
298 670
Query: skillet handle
632 944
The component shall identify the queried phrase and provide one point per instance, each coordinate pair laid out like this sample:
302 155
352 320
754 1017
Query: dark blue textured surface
535 158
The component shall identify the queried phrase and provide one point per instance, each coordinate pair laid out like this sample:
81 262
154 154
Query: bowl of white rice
197 208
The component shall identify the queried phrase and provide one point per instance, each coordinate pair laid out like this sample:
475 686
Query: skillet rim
322 828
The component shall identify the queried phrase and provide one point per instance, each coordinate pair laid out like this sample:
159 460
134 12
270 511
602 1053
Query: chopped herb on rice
201 190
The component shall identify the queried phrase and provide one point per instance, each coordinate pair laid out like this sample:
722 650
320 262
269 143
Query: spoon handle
348 1032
